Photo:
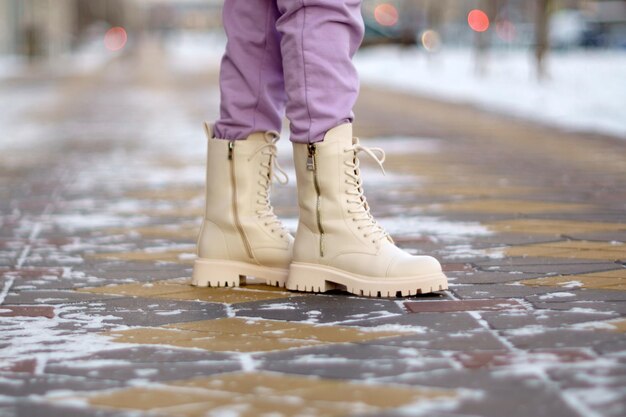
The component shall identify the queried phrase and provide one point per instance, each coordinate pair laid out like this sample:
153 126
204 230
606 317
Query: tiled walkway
100 208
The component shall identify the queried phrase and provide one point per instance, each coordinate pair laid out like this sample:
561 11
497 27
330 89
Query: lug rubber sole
222 273
321 278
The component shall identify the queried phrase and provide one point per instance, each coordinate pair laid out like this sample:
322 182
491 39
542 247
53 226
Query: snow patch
509 86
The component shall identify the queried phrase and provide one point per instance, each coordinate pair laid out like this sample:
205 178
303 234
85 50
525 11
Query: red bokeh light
478 20
115 38
386 14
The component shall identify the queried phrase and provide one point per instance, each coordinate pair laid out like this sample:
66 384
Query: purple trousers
288 56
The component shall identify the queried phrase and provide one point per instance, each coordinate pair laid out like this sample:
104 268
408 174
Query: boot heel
303 278
208 273
222 273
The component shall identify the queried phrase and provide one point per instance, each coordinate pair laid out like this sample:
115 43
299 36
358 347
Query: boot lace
270 170
359 207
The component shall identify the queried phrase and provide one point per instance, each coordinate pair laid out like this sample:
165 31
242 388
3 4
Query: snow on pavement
586 90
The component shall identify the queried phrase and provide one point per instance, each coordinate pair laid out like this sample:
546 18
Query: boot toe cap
413 265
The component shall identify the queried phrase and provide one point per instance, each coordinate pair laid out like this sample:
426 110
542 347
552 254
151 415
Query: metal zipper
311 165
233 183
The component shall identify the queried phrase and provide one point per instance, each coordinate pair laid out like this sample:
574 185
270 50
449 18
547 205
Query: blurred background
528 58
50 28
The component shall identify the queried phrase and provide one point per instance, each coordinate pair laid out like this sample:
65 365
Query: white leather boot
241 236
339 245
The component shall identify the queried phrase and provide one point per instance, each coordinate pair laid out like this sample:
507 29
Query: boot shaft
237 168
238 224
324 185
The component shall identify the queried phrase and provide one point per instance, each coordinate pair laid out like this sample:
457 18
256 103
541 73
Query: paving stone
24 365
488 277
545 403
329 354
615 307
501 391
57 278
27 311
480 379
509 239
609 251
462 305
537 357
614 280
468 340
600 374
545 265
146 371
8 410
53 297
558 338
608 217
611 346
135 311
423 321
567 295
24 384
181 289
415 412
614 236
240 335
153 354
354 369
510 206
491 291
612 405
543 318
456 267
238 392
31 408
555 227
319 309
118 269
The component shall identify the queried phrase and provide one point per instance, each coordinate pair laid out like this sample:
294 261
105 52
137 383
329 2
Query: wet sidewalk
101 197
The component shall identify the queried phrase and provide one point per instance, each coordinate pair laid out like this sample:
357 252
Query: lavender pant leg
251 75
319 39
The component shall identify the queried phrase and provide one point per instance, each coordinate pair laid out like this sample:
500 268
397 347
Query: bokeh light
478 20
386 14
115 38
431 41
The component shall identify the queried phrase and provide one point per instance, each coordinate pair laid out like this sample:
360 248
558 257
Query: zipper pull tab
310 162
231 146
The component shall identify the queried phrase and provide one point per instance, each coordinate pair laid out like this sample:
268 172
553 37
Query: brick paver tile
181 289
554 227
508 206
606 280
27 311
462 305
238 393
241 335
610 251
